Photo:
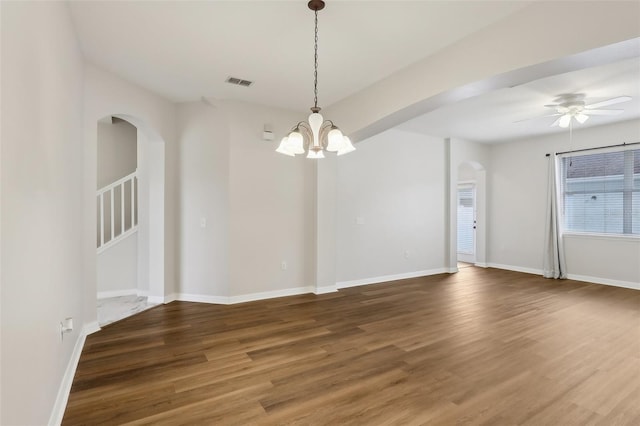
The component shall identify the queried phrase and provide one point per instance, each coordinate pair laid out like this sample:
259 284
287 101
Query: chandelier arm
307 133
326 127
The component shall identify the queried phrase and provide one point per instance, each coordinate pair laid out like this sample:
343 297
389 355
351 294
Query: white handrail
117 183
109 191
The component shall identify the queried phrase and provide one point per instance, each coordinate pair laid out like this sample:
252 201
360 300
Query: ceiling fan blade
535 118
603 111
608 102
557 122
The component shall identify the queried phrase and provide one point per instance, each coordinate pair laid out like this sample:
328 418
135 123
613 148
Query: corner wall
518 201
390 208
42 206
271 206
245 209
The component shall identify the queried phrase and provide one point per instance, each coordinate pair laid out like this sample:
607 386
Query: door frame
466 257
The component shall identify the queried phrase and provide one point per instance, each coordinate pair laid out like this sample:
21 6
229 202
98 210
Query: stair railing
112 221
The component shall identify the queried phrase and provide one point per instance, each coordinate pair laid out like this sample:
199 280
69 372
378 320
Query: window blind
465 220
601 192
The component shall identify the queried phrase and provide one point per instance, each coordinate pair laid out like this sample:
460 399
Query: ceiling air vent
239 81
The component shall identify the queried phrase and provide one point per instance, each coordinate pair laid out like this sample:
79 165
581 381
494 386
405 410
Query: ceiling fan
570 106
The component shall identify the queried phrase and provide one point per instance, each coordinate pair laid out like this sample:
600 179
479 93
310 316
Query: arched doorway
130 217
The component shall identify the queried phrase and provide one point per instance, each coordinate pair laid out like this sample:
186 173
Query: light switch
203 222
359 220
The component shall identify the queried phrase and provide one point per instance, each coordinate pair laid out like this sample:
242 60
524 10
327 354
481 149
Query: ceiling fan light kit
573 107
317 134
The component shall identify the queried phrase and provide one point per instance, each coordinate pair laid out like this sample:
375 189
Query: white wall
42 206
518 201
204 195
394 182
271 205
258 205
117 151
118 268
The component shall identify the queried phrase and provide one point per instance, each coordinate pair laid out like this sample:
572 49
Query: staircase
117 211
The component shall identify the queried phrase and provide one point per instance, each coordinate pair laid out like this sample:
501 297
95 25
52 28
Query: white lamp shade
283 148
336 140
296 143
347 146
581 118
315 122
565 120
315 154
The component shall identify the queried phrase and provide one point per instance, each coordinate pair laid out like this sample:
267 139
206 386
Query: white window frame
601 235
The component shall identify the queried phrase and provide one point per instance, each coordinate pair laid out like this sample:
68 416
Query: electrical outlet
283 266
406 254
203 222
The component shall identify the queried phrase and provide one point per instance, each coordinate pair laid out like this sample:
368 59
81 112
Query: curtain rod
598 147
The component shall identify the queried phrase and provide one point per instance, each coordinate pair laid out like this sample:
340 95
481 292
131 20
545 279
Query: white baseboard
481 265
170 297
270 294
605 281
385 278
583 278
242 298
67 379
160 300
200 298
325 289
515 268
118 293
91 328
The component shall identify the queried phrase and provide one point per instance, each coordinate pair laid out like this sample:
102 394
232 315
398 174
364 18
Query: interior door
467 223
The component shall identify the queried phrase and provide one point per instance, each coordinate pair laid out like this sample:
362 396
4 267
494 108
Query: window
601 192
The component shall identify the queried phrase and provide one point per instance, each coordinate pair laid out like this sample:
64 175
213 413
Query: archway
136 247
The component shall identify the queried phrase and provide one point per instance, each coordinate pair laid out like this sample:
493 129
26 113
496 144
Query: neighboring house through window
601 192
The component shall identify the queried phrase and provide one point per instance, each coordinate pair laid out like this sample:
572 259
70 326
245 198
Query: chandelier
317 135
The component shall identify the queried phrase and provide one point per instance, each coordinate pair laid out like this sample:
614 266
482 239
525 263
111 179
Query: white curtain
554 262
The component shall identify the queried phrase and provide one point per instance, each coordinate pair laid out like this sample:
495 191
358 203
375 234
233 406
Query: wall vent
239 81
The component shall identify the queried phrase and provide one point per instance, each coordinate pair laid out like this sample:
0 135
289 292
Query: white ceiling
492 117
184 50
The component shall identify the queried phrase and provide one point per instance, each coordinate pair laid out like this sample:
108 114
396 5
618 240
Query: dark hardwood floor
482 346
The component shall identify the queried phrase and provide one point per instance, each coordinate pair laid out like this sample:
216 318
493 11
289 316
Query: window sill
612 237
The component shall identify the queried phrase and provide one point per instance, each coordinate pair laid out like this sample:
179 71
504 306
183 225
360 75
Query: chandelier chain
315 65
